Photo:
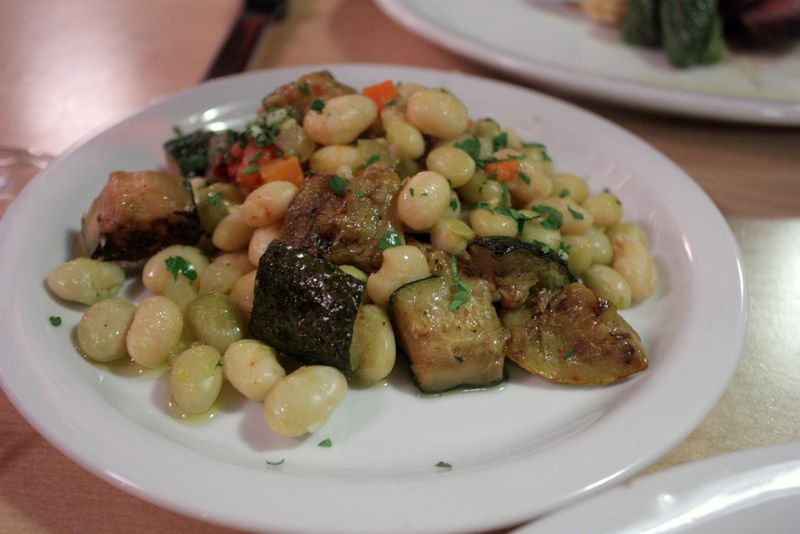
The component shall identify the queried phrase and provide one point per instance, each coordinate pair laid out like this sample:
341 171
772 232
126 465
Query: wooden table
78 64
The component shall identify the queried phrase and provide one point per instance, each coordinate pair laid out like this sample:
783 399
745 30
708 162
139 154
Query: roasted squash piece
448 346
515 268
296 97
345 221
571 336
139 213
305 306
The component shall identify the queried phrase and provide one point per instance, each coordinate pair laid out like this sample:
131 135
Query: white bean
437 112
261 239
633 261
491 223
373 344
329 159
630 230
401 265
580 253
479 189
222 273
156 273
603 251
533 231
103 327
605 208
232 233
215 320
452 163
86 281
252 368
155 329
575 219
241 294
196 378
569 185
608 284
341 121
304 400
268 203
423 200
404 138
451 235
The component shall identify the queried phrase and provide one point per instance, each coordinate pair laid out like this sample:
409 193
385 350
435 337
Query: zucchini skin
691 32
305 306
642 25
189 152
446 349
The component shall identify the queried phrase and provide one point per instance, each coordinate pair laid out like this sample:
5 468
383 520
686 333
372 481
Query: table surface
69 67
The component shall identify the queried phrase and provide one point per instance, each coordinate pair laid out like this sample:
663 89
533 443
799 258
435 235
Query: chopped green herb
506 194
327 443
444 465
499 141
255 158
359 193
390 239
279 462
411 191
425 194
337 184
250 170
304 88
544 247
553 220
213 199
518 216
177 265
542 150
370 160
564 193
453 204
55 320
575 214
318 105
563 248
219 363
569 354
312 171
462 289
471 146
524 177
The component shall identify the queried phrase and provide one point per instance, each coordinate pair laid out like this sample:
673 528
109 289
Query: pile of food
338 226
694 32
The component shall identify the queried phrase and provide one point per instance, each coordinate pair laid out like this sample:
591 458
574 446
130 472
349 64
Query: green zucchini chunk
188 153
691 32
305 306
641 25
571 336
346 221
448 348
515 268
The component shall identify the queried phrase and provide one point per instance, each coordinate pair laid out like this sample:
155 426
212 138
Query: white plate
551 42
739 493
516 451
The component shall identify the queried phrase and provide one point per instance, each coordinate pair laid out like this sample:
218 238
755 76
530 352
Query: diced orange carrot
381 93
285 169
503 171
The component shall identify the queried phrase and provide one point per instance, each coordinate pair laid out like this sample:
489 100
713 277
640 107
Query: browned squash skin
515 268
447 349
296 97
345 229
139 213
572 336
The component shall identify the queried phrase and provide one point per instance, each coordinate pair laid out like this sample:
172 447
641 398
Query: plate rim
132 486
629 94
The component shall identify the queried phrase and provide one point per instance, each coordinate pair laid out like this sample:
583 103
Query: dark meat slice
296 97
139 213
345 229
572 336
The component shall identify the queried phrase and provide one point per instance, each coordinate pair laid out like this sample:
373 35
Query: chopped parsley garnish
569 354
337 184
564 193
506 194
444 465
524 177
575 214
250 170
370 160
318 105
327 443
453 204
411 191
55 320
390 239
542 150
462 289
177 265
517 215
471 146
304 88
359 193
563 248
219 363
255 158
499 141
553 220
213 199
279 462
